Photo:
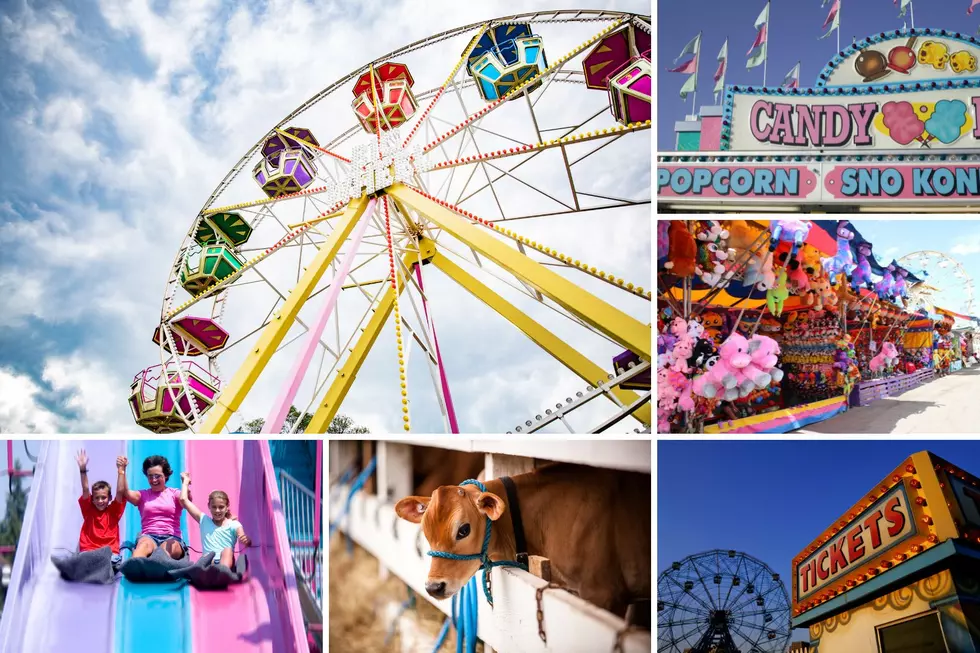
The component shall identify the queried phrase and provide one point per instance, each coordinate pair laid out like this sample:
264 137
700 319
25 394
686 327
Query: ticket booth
899 572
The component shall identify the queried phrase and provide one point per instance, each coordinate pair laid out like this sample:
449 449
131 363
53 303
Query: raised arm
185 497
123 493
82 459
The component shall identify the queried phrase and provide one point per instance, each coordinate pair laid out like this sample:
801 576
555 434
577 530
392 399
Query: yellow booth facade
900 571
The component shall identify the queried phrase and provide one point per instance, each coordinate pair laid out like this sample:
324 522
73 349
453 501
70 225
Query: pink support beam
451 412
277 416
11 470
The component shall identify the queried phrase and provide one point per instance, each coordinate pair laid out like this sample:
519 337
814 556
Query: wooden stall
900 570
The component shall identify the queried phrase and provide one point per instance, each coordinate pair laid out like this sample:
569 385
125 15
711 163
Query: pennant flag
689 86
973 4
760 46
689 66
693 46
722 68
904 7
792 79
833 18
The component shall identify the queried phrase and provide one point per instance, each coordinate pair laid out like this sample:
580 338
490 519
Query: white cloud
966 245
20 411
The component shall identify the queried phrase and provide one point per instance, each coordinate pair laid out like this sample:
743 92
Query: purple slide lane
43 612
262 615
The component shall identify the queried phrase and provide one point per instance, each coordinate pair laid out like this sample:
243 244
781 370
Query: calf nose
436 590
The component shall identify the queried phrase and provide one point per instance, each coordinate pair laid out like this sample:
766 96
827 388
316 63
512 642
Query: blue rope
486 564
355 488
443 632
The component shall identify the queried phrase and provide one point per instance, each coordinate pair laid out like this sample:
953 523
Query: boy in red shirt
100 516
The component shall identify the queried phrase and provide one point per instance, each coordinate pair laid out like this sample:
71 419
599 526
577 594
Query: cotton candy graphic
902 123
947 120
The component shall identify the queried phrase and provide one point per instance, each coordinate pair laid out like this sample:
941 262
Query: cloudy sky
120 118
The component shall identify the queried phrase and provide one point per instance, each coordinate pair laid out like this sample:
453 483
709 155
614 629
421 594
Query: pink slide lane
263 614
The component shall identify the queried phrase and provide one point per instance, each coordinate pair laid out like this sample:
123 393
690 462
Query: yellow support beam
566 355
272 336
328 406
624 329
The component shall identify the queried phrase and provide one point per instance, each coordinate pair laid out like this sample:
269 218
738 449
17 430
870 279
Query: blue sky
771 499
795 26
125 114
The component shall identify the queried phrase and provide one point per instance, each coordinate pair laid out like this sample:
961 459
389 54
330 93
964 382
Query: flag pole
697 67
912 13
839 5
765 61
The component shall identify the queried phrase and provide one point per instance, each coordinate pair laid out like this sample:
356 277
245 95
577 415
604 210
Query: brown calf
592 524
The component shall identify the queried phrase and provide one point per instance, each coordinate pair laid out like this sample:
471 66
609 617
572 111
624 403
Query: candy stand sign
923 121
894 117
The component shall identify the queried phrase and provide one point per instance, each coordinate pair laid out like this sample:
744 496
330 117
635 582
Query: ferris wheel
464 177
722 602
945 284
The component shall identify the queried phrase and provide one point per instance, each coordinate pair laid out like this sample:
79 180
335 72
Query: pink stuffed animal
734 353
886 358
710 384
682 384
678 327
682 351
765 354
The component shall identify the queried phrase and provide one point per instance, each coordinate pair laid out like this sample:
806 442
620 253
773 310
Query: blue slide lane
152 617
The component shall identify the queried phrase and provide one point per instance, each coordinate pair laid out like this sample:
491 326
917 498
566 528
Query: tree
339 424
13 521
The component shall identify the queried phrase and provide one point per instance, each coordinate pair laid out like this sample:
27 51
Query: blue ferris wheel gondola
505 57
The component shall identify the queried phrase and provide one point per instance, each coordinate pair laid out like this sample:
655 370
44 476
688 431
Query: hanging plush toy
789 231
713 254
742 238
776 296
683 250
843 262
862 272
759 273
886 358
901 289
885 287
798 280
663 239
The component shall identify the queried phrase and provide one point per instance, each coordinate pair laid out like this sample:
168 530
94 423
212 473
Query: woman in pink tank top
160 510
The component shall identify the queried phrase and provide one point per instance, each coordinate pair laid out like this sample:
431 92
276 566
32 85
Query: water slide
44 613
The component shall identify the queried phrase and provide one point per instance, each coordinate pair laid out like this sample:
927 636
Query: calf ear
490 505
412 508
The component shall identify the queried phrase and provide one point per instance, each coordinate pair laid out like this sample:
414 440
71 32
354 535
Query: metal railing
299 510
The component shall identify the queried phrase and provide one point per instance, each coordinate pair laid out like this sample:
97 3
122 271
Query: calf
592 524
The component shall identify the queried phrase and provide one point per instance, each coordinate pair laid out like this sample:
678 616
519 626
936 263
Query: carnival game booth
891 125
519 606
899 570
763 326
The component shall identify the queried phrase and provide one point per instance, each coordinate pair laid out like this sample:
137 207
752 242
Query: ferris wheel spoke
526 84
449 80
535 153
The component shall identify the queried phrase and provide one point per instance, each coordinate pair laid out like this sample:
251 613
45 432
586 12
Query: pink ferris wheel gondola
620 65
392 93
158 397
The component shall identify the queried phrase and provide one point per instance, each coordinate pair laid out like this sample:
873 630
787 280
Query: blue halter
485 563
